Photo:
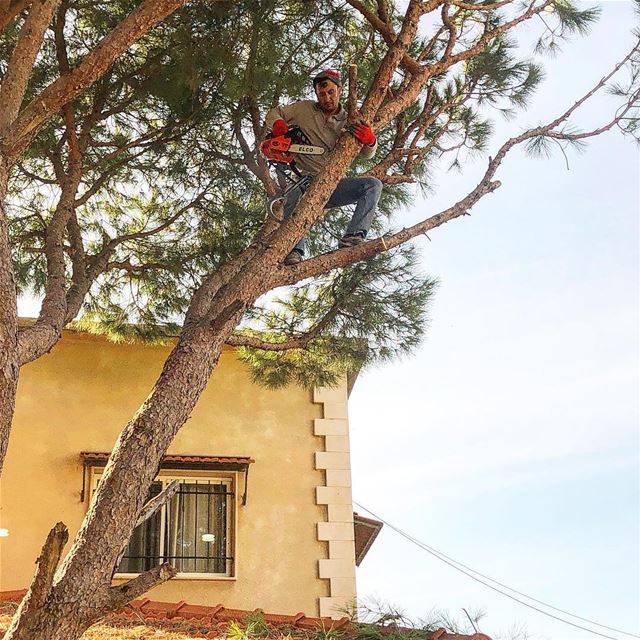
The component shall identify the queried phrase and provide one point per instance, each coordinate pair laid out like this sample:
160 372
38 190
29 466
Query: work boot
351 239
294 257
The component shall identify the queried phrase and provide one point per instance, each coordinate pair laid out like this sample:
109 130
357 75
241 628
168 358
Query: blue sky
510 441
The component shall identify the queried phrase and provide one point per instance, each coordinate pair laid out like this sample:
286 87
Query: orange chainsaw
280 151
283 147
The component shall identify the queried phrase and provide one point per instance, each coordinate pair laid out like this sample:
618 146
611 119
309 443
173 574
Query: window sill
183 576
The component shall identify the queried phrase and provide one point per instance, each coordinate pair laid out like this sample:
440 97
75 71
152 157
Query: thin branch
35 177
491 6
298 342
352 103
130 268
453 33
156 502
75 155
150 508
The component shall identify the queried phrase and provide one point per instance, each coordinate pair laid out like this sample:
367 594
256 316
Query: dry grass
116 628
129 632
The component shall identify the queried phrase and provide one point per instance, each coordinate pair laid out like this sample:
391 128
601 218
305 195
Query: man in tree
322 122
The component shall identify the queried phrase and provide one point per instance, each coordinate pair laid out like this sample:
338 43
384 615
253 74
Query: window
192 531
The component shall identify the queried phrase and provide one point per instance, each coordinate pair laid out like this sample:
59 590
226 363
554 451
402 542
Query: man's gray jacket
321 132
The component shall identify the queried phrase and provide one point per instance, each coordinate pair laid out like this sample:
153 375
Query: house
263 516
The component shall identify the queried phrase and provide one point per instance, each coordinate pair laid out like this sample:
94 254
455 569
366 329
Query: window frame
230 480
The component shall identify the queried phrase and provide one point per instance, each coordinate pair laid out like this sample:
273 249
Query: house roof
74 328
365 531
213 621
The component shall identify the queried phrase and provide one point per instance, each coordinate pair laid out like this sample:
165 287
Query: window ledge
183 576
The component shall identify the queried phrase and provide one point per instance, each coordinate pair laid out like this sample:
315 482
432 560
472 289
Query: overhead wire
468 571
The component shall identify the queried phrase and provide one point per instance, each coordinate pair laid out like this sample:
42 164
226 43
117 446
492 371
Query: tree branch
299 342
394 55
491 6
156 502
150 508
16 77
383 28
146 16
9 10
417 82
75 155
353 114
124 593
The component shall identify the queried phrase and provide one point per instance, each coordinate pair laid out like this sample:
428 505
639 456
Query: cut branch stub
353 113
46 565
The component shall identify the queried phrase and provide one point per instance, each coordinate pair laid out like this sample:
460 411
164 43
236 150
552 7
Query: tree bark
81 593
9 366
16 78
46 565
9 10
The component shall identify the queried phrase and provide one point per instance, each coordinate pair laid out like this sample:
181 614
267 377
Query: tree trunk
9 367
82 593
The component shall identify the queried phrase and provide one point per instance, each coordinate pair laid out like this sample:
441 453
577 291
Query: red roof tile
103 456
152 609
212 622
12 596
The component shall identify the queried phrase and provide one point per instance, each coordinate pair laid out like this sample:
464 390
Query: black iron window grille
192 531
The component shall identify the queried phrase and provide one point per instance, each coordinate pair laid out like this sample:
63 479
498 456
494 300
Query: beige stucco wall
79 396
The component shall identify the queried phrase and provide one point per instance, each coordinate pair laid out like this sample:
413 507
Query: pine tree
148 153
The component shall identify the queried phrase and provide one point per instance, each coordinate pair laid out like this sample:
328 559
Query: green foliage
563 20
168 192
379 621
256 625
370 312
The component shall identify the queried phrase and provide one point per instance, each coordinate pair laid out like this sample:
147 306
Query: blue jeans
364 192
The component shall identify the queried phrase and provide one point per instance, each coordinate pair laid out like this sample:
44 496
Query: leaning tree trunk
81 592
9 366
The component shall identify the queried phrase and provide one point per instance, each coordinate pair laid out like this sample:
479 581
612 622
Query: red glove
280 127
363 133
